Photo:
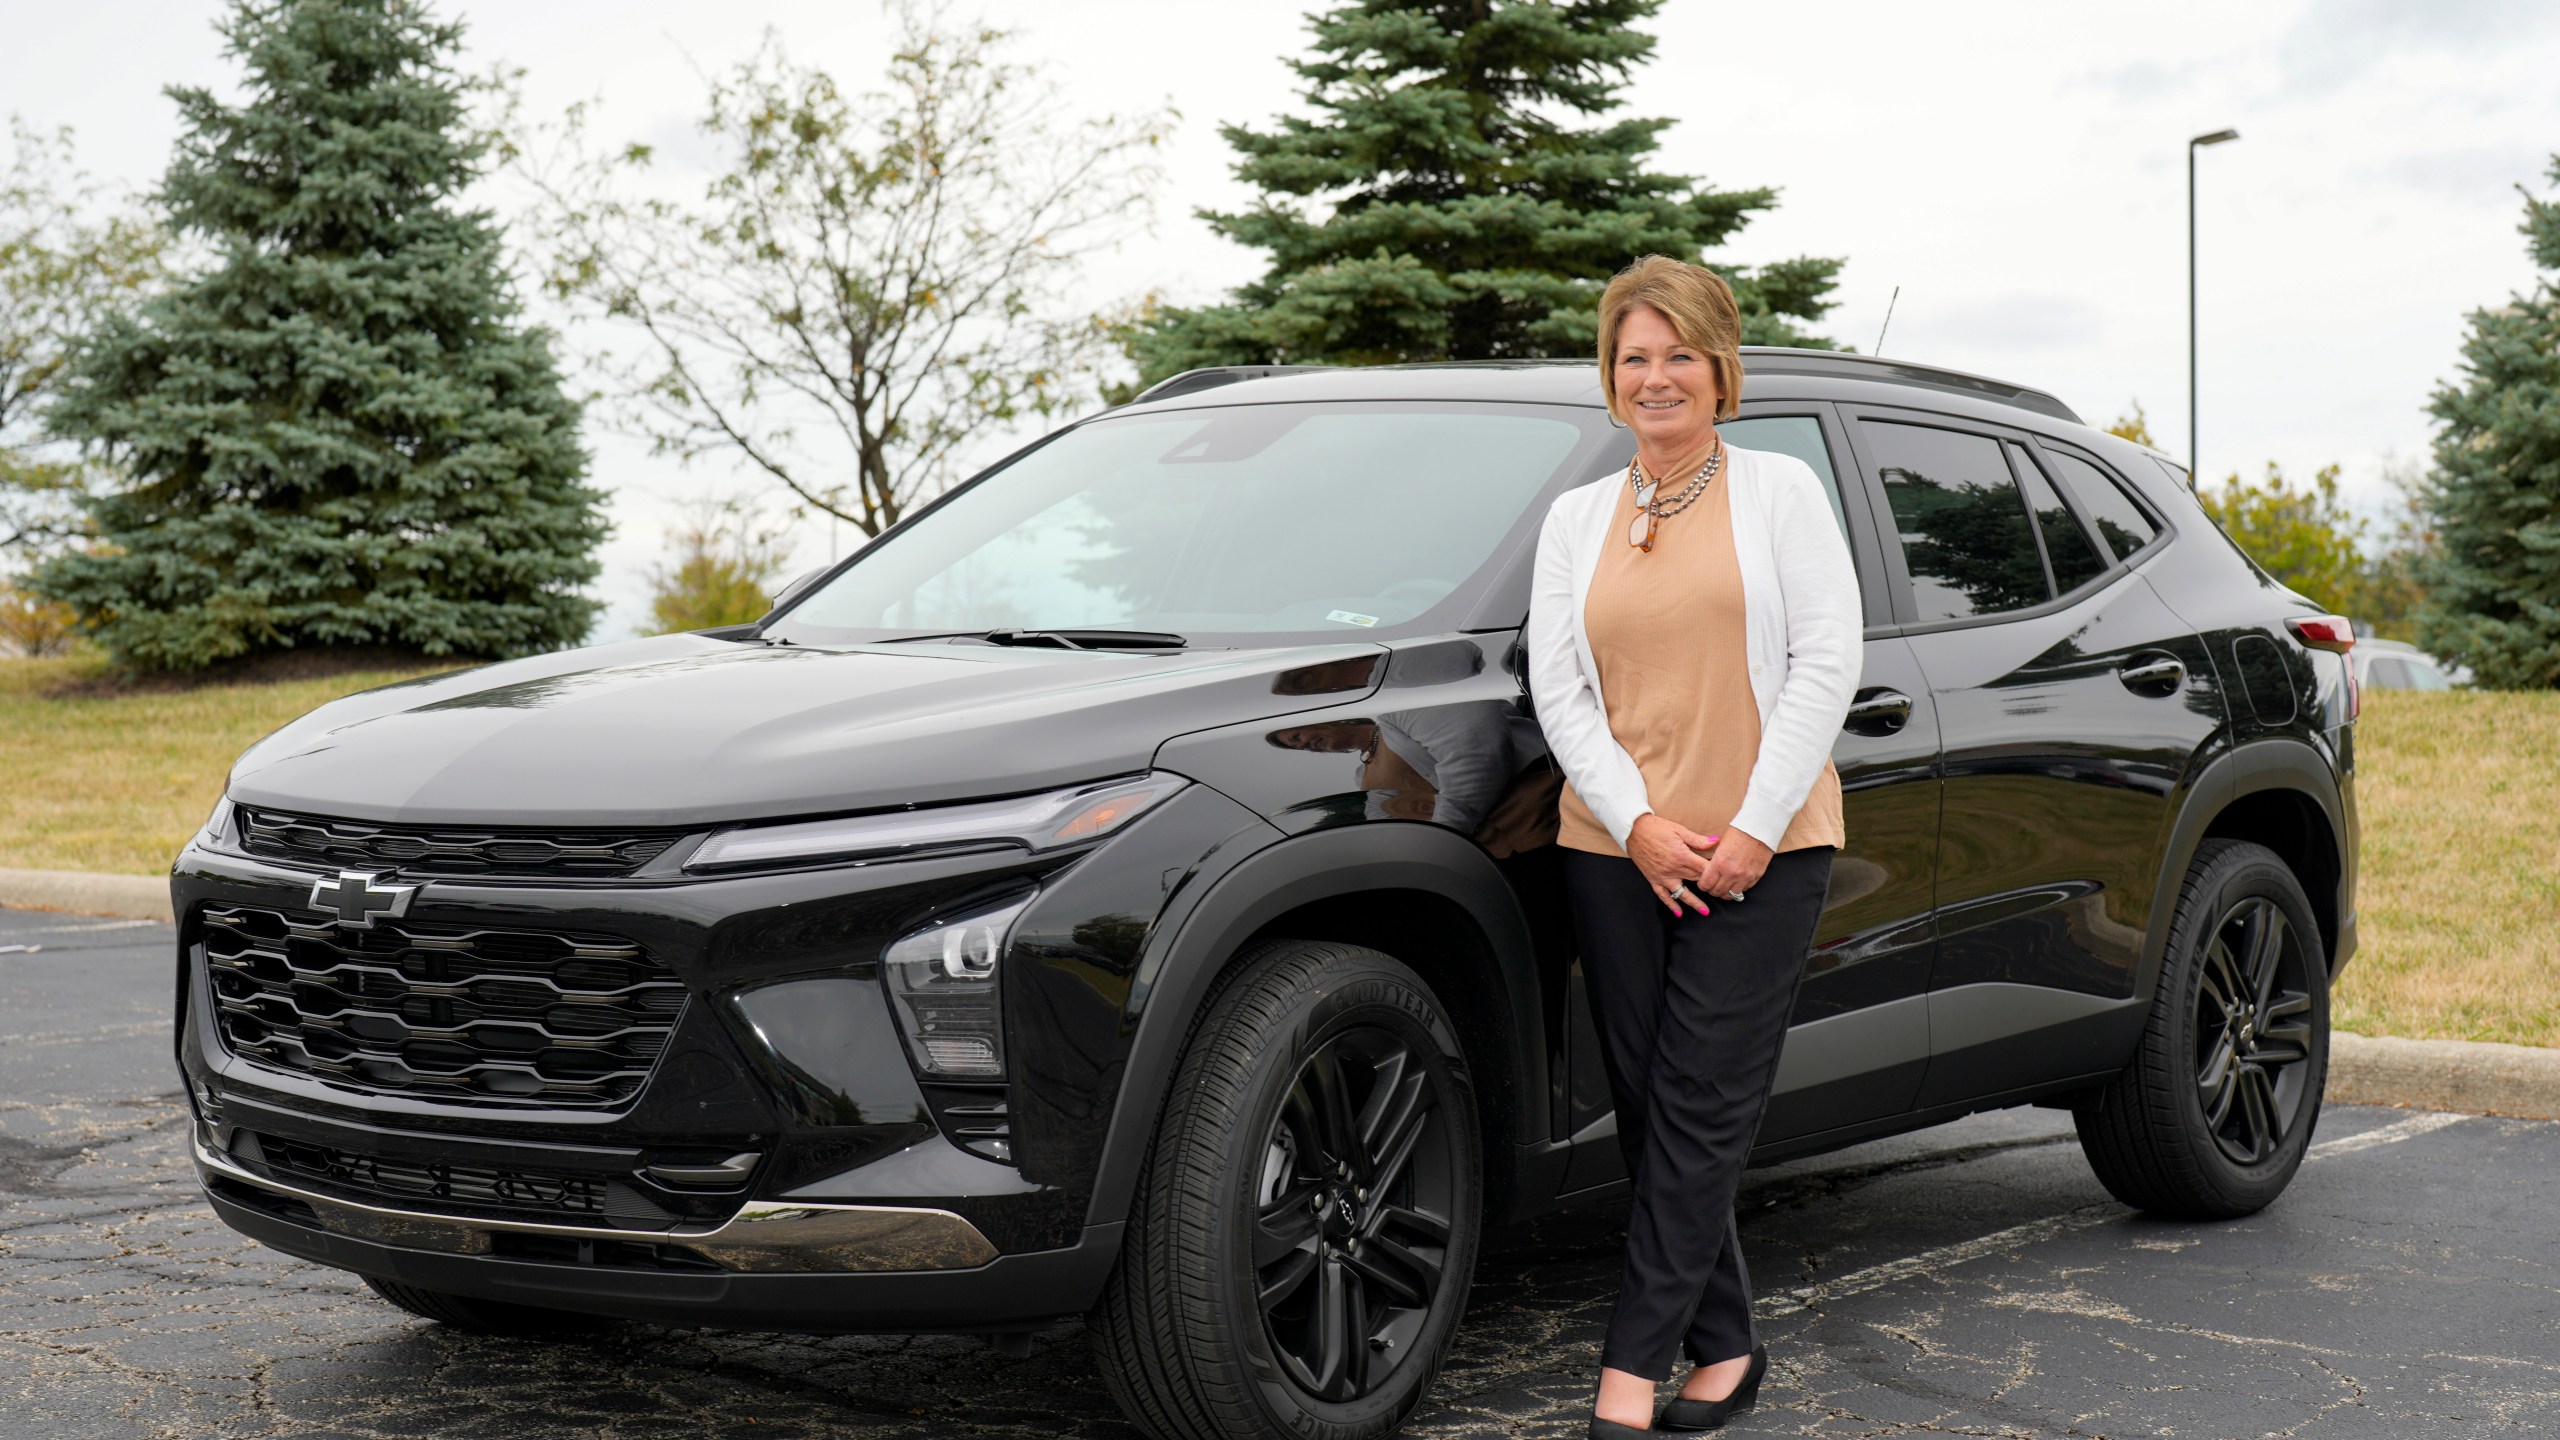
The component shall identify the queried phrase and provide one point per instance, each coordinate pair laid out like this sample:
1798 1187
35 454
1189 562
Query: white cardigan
1801 620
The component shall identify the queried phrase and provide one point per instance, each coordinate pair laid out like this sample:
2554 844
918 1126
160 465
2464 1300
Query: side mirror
801 582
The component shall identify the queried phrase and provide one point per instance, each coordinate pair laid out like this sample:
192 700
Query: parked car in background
2394 665
1127 889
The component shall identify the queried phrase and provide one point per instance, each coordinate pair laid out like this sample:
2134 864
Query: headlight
215 832
942 981
1033 822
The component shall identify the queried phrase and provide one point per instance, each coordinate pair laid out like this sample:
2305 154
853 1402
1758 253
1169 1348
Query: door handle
2159 676
1878 711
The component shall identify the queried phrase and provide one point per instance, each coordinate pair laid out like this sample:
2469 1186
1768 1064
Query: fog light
943 983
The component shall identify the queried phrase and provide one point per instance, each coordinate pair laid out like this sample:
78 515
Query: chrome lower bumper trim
762 1238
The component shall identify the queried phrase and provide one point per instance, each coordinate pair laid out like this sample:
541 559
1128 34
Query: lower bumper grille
425 1184
493 1016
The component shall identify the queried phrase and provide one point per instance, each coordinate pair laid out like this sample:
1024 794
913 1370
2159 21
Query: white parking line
1876 1277
2393 1133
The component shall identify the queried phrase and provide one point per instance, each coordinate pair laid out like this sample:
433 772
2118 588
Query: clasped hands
1672 855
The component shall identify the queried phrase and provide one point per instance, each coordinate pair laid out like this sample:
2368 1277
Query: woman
1693 640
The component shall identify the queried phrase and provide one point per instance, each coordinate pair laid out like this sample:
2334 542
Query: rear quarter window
2120 522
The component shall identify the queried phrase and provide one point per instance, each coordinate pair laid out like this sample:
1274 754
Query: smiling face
1667 391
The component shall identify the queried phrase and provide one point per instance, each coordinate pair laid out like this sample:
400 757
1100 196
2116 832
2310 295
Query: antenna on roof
1888 321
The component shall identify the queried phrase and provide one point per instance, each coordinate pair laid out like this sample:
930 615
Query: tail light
2337 635
2333 633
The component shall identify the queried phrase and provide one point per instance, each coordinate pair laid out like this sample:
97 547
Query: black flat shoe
1711 1414
1613 1429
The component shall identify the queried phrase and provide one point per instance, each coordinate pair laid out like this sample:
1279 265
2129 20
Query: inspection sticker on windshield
1347 618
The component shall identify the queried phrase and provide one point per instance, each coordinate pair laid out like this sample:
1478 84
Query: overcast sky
2018 170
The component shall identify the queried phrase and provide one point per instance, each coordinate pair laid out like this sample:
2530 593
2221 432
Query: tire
1310 1072
2212 1118
482 1317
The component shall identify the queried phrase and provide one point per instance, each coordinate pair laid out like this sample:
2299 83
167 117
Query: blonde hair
1699 306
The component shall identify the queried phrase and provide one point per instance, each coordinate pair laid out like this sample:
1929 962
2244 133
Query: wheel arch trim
2275 764
1181 969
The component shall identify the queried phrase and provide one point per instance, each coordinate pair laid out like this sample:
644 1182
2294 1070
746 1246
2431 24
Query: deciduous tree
873 284
71 253
2305 536
725 560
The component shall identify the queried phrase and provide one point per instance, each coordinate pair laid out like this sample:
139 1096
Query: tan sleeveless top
1666 629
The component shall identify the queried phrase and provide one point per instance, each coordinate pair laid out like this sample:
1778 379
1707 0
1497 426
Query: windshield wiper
1063 639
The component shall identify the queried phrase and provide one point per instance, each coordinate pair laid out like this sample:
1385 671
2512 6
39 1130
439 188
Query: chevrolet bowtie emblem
355 899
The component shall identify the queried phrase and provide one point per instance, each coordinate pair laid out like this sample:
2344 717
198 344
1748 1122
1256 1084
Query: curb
127 897
2478 1077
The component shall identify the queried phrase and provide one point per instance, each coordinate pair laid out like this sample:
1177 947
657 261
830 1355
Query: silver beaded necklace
1651 510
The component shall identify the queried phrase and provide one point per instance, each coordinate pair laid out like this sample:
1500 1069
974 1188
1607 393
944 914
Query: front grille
446 850
453 1012
425 1184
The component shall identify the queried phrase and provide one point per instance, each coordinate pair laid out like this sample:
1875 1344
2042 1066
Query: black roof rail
1782 360
1210 377
1768 359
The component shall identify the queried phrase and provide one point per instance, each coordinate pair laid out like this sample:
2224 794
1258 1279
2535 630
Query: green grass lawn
117 782
2459 793
2460 888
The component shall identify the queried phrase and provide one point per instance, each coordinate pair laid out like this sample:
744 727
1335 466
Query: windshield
1232 525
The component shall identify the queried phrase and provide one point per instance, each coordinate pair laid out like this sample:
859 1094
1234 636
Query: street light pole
2195 475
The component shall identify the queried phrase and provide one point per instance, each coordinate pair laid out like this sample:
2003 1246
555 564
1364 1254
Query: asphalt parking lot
1971 1279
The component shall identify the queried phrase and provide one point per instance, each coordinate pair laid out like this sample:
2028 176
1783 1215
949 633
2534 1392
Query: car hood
681 730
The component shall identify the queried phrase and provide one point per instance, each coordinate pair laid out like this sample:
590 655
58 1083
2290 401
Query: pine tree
2493 585
1436 207
341 432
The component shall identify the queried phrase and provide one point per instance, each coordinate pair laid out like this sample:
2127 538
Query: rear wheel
1300 1247
2212 1118
481 1317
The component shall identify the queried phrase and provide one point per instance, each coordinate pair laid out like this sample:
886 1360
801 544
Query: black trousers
1692 1013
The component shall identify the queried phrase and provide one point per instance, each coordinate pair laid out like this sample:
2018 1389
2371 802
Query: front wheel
1300 1247
2212 1118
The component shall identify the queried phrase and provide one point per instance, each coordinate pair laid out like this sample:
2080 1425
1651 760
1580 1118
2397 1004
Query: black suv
1127 888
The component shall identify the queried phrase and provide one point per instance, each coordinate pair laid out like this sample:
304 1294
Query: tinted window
1797 435
1249 521
1964 531
2123 524
2388 674
2066 545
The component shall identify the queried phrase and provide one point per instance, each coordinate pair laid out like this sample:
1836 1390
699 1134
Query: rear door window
1966 539
1796 435
2119 520
2066 545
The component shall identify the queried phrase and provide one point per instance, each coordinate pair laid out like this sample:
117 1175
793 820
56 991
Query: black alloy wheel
2212 1118
1352 1233
1300 1246
2254 1040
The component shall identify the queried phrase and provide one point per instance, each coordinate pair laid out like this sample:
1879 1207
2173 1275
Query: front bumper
761 1237
1010 1292
862 1215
